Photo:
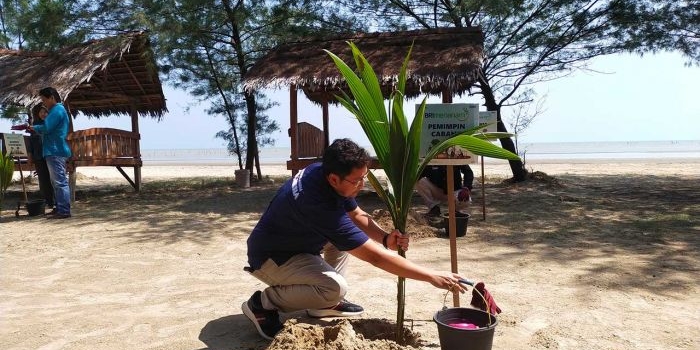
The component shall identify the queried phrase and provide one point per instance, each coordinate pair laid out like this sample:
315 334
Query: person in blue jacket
55 149
315 212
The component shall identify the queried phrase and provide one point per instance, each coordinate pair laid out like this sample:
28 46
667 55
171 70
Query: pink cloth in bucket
463 325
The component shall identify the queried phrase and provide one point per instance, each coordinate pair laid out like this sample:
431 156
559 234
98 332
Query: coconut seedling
397 143
7 168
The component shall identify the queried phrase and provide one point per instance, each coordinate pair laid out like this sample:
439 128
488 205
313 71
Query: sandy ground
603 256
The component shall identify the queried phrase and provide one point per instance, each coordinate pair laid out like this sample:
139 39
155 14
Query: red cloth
19 127
478 302
463 195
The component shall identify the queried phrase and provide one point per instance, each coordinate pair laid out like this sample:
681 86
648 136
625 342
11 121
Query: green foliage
527 41
41 25
663 26
206 47
236 145
531 41
15 114
397 144
7 168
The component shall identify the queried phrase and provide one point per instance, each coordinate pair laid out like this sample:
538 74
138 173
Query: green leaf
474 145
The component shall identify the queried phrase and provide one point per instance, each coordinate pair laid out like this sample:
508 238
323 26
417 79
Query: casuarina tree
532 41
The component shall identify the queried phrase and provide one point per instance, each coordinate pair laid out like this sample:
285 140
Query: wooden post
21 178
326 137
446 96
293 124
451 209
70 163
483 189
452 226
135 128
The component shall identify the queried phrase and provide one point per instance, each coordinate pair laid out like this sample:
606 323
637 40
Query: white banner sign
488 118
14 145
444 120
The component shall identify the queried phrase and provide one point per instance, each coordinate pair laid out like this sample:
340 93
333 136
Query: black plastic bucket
36 207
452 338
461 221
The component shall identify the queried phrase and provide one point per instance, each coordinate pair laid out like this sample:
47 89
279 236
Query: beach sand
601 255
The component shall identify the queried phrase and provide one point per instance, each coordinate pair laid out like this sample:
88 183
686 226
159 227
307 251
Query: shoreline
681 167
651 160
492 168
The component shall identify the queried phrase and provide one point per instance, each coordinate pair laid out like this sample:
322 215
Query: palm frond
397 146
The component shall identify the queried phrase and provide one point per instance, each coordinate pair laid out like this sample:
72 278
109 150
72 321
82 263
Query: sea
544 151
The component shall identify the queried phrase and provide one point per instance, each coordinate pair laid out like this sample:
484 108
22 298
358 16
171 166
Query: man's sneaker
267 322
434 211
343 309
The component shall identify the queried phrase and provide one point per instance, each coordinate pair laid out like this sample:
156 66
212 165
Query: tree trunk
252 150
232 11
257 166
516 166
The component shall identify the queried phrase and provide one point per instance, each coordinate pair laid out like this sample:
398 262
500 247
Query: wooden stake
21 177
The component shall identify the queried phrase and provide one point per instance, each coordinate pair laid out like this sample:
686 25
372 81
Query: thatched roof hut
443 59
115 75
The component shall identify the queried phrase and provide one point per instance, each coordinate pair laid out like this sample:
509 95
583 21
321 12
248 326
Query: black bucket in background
461 221
465 339
36 207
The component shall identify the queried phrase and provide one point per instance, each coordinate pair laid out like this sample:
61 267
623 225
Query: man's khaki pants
305 281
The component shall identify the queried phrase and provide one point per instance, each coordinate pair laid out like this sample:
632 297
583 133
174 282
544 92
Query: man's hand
396 240
449 281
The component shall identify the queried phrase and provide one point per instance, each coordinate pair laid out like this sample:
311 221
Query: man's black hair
343 156
50 92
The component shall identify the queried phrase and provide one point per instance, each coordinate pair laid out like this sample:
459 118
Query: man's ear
334 180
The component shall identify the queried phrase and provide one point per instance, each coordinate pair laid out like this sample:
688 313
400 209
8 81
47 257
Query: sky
652 98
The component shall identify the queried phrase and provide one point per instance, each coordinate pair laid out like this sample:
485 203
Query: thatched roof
441 58
97 78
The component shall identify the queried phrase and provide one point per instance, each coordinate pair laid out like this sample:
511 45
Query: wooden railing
105 147
310 141
309 146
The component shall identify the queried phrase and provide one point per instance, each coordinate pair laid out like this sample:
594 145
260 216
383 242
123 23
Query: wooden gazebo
115 75
444 61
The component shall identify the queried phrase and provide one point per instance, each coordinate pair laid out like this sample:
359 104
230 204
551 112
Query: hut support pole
293 117
135 128
70 164
326 137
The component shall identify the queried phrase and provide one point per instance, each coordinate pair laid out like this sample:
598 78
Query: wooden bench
107 147
98 147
